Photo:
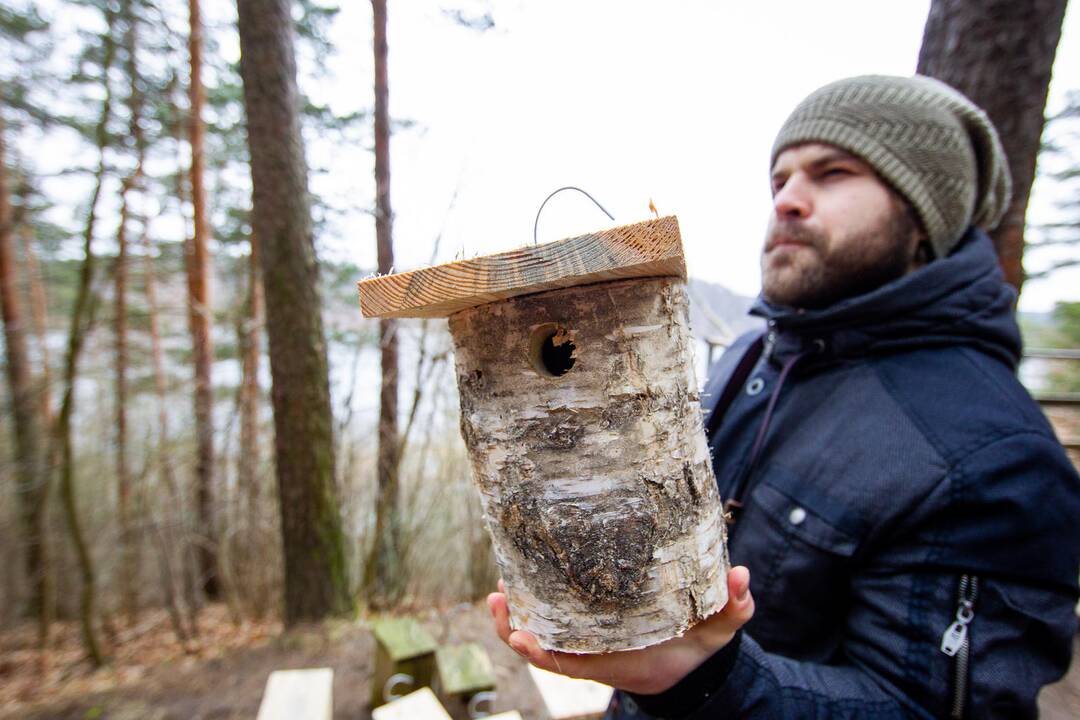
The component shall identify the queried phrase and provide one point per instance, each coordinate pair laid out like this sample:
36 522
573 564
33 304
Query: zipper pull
954 638
770 341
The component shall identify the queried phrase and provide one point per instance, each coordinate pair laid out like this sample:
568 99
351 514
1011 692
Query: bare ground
153 679
150 676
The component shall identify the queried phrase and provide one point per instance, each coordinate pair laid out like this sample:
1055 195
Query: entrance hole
551 351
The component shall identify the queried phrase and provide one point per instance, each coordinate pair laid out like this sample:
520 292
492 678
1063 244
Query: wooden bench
298 695
404 658
464 680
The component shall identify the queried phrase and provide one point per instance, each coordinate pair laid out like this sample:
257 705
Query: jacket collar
961 299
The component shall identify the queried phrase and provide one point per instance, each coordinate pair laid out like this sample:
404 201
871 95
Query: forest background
181 233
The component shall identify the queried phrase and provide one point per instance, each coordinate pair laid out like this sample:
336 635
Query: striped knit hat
933 145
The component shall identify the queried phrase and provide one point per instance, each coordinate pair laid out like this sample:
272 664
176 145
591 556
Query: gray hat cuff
886 163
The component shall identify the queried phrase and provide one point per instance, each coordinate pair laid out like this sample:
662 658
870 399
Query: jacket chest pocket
800 564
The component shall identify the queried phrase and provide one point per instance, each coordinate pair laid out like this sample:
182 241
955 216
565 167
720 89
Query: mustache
793 231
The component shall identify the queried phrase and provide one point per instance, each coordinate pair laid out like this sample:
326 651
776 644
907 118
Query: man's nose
792 201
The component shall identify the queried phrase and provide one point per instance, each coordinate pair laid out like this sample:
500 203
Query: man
909 519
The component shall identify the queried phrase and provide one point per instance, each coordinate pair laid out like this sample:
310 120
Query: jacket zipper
770 340
955 641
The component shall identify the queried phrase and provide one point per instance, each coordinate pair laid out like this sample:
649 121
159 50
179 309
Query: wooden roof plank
647 249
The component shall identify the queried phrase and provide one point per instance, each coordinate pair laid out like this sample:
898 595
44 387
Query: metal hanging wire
536 223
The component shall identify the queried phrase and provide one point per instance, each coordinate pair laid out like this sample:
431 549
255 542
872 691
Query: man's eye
836 172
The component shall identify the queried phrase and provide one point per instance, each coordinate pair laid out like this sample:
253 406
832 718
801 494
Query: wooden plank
569 699
1064 400
294 694
648 249
1052 353
419 705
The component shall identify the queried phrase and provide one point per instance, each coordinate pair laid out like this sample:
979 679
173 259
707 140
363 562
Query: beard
825 275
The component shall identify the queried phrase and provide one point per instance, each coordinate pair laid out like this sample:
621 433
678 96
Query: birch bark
581 414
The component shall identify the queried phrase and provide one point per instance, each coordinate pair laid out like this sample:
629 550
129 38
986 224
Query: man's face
836 231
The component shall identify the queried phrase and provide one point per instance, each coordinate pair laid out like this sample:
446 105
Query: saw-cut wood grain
646 249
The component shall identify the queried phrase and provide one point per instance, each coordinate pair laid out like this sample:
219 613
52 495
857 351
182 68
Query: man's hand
650 670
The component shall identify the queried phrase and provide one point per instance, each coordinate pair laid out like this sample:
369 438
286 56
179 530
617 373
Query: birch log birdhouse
582 419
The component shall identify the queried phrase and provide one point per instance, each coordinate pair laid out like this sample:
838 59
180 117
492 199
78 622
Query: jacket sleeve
1006 515
765 685
1016 650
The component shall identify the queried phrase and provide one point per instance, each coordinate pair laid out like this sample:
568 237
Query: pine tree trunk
198 267
129 542
251 324
251 576
189 560
39 312
123 475
30 466
39 309
383 575
1000 53
164 533
316 584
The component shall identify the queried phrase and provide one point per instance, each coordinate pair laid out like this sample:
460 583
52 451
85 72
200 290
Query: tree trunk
1000 53
164 534
383 575
39 312
129 542
580 411
30 475
128 591
198 267
189 561
315 578
251 578
251 323
81 319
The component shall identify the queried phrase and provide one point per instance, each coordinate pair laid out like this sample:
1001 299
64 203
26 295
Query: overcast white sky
631 100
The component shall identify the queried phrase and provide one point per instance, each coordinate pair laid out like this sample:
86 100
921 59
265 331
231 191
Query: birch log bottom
581 414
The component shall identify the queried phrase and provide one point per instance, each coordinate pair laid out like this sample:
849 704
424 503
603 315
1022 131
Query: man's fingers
648 670
527 646
740 604
500 611
738 582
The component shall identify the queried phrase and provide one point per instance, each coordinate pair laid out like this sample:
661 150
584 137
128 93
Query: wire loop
536 222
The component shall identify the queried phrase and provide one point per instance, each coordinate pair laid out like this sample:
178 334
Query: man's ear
924 252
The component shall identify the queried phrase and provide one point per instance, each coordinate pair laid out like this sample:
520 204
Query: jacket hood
961 299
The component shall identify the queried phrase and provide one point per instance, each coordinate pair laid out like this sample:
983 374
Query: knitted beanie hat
930 143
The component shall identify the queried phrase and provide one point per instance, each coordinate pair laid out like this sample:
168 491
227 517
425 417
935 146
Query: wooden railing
1057 399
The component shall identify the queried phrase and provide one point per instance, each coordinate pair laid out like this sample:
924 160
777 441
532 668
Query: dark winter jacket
907 494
